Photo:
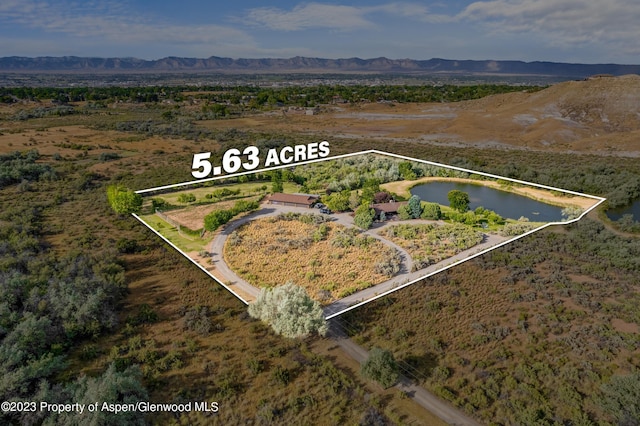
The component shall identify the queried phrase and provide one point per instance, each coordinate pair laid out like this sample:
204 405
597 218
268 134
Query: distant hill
309 65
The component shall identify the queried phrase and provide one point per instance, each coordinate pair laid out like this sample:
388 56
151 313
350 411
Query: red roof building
295 200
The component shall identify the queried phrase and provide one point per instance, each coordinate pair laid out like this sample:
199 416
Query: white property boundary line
374 151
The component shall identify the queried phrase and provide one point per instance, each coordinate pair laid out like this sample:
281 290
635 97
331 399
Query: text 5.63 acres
249 158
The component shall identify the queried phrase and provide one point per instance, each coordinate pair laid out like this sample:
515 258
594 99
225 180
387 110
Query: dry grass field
428 244
269 252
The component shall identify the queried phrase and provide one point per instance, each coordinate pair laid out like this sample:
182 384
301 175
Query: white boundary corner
372 151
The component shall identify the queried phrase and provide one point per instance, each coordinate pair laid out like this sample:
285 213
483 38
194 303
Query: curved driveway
404 276
217 245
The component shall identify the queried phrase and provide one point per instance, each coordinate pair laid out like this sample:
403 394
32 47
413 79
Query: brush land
542 331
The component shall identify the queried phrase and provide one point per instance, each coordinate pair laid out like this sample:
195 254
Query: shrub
390 265
159 203
431 211
197 319
514 229
621 398
108 156
125 245
403 212
217 218
364 217
281 375
145 314
186 198
255 366
570 213
321 232
289 310
380 366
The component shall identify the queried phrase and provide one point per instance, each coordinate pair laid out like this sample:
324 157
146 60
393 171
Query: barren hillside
599 115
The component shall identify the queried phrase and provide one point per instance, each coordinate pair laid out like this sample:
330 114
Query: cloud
563 23
112 22
312 15
336 17
413 11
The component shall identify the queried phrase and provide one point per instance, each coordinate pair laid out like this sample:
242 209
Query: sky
585 31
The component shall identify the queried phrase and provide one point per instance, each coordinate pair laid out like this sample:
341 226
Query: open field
270 252
186 243
249 189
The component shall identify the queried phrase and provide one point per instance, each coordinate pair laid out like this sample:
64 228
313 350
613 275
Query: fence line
174 223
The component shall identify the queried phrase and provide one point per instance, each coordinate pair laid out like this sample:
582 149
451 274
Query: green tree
338 201
276 181
123 200
431 211
415 208
364 217
458 200
289 310
403 212
406 170
277 186
380 366
216 219
354 200
369 189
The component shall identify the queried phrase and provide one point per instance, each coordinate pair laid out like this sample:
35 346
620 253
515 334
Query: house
294 200
390 208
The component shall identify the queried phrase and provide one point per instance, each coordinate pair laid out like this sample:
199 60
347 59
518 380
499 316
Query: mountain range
309 65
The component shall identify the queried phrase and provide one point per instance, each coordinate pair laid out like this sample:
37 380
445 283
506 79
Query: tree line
262 96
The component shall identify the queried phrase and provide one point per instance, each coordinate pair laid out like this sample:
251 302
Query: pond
506 204
632 209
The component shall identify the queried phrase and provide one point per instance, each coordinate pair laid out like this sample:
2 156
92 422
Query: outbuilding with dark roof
387 208
294 200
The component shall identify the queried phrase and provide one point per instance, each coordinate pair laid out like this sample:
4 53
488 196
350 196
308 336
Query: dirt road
421 396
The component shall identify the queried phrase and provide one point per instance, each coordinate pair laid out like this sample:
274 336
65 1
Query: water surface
506 204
